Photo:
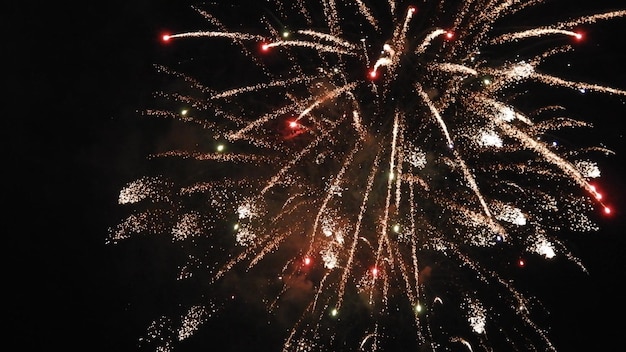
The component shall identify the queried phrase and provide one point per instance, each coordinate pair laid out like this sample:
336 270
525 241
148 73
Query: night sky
76 75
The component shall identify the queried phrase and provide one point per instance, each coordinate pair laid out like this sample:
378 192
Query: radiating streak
413 179
230 35
328 96
506 112
541 149
223 157
591 19
400 37
381 62
383 239
455 68
311 45
271 242
178 116
330 11
398 173
483 219
259 86
241 134
434 113
428 40
338 180
367 337
392 6
337 40
558 27
289 200
576 85
472 183
356 122
405 274
506 7
190 80
357 230
535 32
211 19
462 341
414 259
462 13
367 13
468 176
319 291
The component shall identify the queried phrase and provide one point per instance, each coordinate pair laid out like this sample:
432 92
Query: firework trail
381 161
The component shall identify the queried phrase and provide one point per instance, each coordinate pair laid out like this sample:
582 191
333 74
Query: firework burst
375 166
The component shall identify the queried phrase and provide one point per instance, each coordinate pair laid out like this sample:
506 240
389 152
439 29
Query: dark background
73 78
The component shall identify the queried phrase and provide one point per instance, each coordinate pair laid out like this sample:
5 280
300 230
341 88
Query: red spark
595 192
578 36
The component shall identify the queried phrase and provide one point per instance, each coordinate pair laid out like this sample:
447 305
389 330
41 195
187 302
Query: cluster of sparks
368 156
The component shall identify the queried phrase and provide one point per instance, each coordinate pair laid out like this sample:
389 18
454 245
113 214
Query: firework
374 166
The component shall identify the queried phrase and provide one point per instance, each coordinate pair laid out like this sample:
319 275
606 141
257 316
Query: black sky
74 77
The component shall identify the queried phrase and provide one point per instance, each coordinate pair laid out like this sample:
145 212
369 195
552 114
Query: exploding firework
369 168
